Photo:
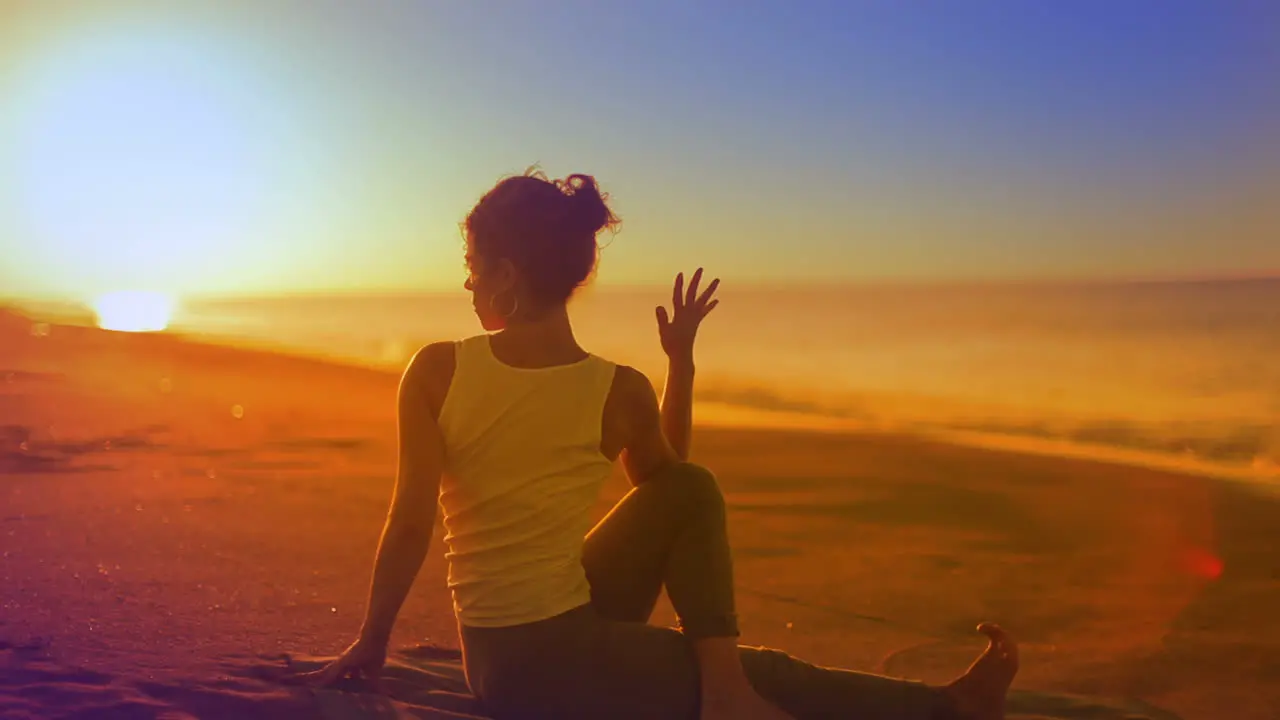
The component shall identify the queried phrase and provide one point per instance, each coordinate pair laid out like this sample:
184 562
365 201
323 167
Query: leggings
603 661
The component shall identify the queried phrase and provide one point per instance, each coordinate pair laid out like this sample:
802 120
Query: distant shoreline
730 416
1042 447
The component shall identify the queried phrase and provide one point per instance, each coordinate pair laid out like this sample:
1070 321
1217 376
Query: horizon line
750 284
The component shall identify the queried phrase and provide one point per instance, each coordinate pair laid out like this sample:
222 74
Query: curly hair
546 228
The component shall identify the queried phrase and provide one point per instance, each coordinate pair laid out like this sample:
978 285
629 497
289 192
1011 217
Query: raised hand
679 329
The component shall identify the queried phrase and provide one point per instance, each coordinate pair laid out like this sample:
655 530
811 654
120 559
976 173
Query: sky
277 147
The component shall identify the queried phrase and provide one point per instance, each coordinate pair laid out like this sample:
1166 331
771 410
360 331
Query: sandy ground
171 513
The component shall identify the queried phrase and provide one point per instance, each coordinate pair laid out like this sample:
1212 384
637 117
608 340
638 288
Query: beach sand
180 522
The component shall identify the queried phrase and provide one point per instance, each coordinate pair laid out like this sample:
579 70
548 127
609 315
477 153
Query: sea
1167 373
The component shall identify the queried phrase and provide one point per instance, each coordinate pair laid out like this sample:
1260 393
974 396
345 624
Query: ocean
1184 372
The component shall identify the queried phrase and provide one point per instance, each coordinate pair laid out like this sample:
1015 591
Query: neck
548 335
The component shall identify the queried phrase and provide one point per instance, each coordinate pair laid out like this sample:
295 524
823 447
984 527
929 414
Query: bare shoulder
430 373
632 389
631 406
434 356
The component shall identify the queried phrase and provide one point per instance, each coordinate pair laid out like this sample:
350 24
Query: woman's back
523 469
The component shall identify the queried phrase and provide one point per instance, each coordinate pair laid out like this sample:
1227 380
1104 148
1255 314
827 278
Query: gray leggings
602 661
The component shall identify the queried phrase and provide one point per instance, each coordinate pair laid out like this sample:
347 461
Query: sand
181 523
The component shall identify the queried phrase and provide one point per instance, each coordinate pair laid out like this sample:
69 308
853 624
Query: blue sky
335 145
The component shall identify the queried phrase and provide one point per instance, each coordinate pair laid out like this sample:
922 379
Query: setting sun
134 311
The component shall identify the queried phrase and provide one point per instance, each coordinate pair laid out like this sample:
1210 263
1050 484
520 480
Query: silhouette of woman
511 434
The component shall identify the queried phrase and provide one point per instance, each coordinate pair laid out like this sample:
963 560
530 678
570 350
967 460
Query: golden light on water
133 311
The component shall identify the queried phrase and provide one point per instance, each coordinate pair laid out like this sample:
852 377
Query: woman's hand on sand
364 659
679 329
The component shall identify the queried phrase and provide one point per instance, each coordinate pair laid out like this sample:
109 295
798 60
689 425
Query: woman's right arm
410 521
645 447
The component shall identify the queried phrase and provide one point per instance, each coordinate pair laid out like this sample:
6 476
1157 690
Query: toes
1001 641
992 630
998 635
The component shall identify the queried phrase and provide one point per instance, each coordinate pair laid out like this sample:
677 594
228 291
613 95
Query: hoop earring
515 306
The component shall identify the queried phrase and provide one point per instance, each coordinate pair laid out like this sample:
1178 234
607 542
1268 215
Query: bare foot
744 704
980 693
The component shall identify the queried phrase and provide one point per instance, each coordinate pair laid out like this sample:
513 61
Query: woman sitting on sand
513 433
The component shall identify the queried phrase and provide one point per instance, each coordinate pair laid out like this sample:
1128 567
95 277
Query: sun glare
142 157
134 311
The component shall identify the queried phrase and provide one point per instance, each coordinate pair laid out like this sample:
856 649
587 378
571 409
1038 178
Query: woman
513 433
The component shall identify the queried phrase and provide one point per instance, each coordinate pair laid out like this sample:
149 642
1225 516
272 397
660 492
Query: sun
141 155
133 311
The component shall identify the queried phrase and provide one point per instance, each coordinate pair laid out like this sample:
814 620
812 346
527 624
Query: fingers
710 306
330 674
663 318
692 294
706 295
683 297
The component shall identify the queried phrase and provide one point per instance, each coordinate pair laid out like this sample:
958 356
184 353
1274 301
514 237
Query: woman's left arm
678 331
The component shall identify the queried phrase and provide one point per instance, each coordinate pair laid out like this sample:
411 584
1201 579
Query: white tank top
523 470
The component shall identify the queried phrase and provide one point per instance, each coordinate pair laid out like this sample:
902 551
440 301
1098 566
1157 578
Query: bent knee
696 486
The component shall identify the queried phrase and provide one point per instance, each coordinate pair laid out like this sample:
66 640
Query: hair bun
588 208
